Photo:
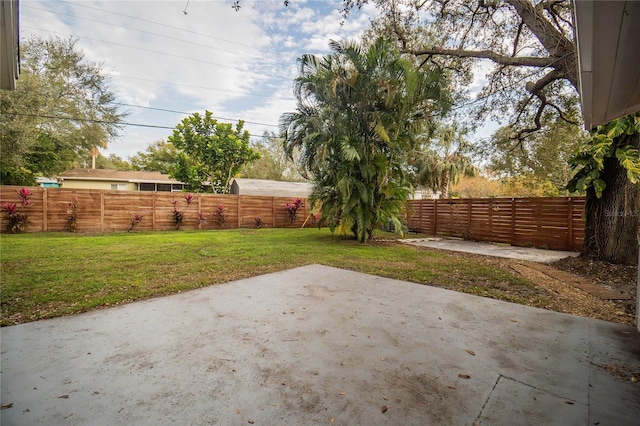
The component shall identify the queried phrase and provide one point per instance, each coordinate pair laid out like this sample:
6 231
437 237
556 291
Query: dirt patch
622 279
559 285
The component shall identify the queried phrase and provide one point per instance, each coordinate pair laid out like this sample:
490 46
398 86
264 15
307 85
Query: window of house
164 187
147 187
117 186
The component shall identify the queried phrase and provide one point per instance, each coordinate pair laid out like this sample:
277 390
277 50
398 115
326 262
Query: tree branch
536 90
526 61
553 40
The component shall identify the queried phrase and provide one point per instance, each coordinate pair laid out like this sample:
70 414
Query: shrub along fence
549 222
106 211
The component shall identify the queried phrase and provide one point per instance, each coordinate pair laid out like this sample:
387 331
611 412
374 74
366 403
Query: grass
46 275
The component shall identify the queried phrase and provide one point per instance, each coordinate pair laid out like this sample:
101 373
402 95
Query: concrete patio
319 345
493 249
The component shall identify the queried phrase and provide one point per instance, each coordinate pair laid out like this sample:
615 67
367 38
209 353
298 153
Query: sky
240 65
168 59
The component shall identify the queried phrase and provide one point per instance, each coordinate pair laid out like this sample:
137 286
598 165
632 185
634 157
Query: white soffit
608 38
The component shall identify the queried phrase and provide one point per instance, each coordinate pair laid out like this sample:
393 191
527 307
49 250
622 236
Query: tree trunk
611 221
444 185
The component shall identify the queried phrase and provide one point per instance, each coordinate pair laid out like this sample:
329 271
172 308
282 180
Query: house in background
47 182
270 188
122 180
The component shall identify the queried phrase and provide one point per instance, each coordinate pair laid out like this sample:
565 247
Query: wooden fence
107 211
553 222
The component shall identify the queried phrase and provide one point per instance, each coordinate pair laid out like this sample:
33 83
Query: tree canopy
359 112
533 77
545 158
273 163
444 160
209 153
62 107
530 44
160 156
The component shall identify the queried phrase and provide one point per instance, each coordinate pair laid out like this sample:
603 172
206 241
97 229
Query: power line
142 31
189 113
161 24
149 50
117 123
206 88
90 120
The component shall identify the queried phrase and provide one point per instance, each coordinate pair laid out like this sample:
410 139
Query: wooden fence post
569 223
101 211
469 218
239 212
513 221
45 225
435 216
199 208
273 210
153 212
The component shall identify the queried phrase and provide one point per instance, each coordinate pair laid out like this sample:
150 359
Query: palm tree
359 111
440 166
93 137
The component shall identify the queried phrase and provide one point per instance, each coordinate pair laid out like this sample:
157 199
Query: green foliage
444 160
55 81
210 153
358 114
17 221
273 163
160 156
544 156
112 162
607 142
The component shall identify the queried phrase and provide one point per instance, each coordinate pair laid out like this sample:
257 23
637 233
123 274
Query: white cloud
238 65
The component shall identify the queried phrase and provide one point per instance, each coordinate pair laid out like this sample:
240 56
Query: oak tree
530 47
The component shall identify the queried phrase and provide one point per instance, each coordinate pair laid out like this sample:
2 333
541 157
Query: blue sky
238 65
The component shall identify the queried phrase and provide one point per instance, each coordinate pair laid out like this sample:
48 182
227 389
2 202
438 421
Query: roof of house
272 188
116 175
608 34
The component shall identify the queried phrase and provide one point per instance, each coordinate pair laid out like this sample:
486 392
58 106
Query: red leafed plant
16 220
72 215
202 218
292 208
135 220
219 216
179 215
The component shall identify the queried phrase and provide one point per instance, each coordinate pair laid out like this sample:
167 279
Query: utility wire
206 88
152 51
233 52
161 24
117 123
189 113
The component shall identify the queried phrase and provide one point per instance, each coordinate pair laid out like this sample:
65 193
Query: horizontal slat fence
108 211
550 222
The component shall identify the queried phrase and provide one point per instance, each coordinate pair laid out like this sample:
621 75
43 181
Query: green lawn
46 275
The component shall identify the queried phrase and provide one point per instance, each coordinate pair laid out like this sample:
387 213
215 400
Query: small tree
292 208
441 165
210 153
218 216
359 112
72 215
179 215
135 220
17 221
